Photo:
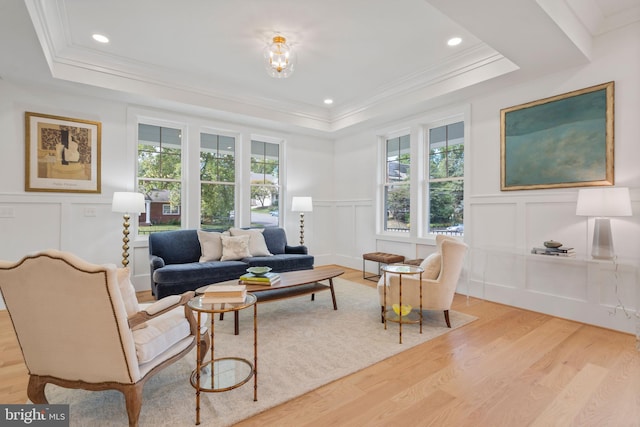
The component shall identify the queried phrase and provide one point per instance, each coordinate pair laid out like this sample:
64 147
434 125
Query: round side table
388 313
226 373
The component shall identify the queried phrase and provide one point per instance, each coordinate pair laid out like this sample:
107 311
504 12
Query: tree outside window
159 176
265 184
446 179
397 201
217 181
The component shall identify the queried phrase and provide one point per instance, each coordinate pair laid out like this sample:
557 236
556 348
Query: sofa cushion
276 239
127 291
210 245
160 334
431 266
175 246
198 273
257 244
235 247
282 262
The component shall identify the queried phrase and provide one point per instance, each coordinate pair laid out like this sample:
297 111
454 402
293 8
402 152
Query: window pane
217 206
455 163
159 176
159 217
264 163
264 206
398 159
446 179
437 162
446 206
217 158
397 205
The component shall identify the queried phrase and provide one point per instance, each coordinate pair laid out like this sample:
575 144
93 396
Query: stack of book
561 251
267 279
224 293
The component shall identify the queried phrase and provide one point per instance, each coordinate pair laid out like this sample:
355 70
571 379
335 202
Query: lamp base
602 240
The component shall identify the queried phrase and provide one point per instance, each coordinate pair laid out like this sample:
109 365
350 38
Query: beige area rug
302 345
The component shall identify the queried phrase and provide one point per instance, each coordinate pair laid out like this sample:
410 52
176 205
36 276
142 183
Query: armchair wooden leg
446 318
35 390
133 400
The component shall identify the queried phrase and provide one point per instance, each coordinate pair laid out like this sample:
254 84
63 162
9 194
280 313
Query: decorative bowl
552 244
406 309
259 271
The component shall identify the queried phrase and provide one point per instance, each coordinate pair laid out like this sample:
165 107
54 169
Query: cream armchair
79 326
440 278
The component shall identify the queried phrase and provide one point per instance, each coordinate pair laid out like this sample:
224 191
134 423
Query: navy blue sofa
175 268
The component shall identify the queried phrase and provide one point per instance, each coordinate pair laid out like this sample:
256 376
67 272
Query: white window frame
281 172
418 130
237 166
425 181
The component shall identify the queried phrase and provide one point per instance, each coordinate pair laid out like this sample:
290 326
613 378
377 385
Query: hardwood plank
509 367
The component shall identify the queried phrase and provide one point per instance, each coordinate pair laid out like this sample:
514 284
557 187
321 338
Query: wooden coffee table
292 284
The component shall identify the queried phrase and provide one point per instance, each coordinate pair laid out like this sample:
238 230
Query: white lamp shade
302 204
604 202
127 202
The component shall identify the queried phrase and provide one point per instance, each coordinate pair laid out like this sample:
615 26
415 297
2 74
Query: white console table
598 292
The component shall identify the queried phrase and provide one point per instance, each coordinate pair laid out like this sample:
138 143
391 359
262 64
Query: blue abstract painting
563 141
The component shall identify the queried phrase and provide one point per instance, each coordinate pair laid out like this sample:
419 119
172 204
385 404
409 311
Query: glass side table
388 313
227 373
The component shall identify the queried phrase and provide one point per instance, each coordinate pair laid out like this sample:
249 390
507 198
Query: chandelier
279 58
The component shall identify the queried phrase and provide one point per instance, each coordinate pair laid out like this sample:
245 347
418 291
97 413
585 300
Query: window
397 200
265 183
170 210
217 181
446 179
159 176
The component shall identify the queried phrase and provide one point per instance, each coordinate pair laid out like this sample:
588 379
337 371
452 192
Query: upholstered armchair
441 273
79 325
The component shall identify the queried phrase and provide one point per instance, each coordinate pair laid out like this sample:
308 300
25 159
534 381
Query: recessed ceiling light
328 101
100 38
454 41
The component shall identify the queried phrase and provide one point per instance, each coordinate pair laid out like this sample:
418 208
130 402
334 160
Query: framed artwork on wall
562 141
62 154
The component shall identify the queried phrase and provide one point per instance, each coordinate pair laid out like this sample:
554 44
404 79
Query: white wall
513 222
35 221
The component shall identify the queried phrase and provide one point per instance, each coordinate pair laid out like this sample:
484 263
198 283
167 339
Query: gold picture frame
62 154
562 141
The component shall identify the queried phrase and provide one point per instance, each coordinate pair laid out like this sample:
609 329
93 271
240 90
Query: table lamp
603 203
302 205
127 203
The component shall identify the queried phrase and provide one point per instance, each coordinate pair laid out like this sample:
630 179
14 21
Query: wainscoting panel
501 232
558 277
42 220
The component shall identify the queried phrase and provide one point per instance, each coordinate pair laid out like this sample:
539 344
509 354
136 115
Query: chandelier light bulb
279 58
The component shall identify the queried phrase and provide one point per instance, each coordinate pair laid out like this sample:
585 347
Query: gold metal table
226 373
401 270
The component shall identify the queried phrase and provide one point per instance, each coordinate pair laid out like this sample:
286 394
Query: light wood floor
511 367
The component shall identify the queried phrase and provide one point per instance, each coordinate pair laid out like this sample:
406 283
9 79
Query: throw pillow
210 245
127 291
257 244
235 247
431 266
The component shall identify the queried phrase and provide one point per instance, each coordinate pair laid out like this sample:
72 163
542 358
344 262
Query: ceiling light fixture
454 41
100 38
279 58
328 101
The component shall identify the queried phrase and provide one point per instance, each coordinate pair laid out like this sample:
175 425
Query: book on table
562 251
263 279
224 293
